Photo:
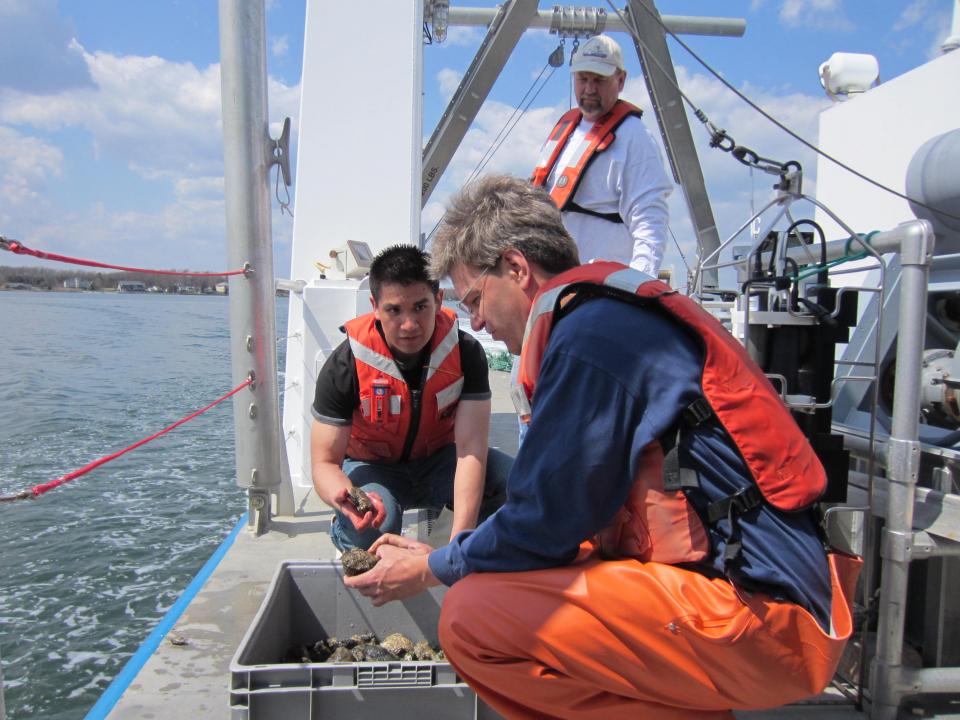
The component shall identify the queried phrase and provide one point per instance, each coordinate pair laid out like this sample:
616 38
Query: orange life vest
381 430
597 139
657 523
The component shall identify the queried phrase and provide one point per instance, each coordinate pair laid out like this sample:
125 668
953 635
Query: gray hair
494 214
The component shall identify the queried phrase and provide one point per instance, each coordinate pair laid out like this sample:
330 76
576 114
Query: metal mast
658 72
247 160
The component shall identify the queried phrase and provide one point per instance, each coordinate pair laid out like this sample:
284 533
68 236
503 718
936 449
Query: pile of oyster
364 648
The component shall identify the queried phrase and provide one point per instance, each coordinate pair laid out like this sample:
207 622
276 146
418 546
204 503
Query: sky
111 137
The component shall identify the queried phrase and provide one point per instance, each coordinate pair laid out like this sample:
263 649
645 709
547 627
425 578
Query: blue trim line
126 676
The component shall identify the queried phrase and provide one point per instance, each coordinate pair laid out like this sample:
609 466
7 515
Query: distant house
222 288
131 286
76 283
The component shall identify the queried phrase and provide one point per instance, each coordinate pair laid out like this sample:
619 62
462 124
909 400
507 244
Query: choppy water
88 569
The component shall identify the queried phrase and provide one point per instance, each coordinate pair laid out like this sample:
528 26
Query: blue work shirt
614 378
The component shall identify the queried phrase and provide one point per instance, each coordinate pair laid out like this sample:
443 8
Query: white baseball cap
600 54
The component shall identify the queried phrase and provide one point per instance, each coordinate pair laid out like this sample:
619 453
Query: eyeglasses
472 307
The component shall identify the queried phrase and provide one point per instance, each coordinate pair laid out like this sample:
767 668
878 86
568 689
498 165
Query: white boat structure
867 359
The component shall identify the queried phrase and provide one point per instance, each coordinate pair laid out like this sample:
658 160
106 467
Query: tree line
43 278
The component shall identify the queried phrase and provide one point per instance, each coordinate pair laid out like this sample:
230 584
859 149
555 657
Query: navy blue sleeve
613 379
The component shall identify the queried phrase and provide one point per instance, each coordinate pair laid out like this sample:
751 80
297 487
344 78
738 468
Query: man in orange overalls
657 556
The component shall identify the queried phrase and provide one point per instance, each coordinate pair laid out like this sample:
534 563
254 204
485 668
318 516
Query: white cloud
163 121
159 115
200 187
815 13
25 165
459 35
921 23
448 80
912 14
279 46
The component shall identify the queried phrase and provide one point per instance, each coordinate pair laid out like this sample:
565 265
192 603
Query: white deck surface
192 680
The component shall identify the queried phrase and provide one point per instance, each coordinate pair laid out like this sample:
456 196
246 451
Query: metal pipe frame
680 24
506 28
650 43
936 512
890 681
882 242
930 680
248 154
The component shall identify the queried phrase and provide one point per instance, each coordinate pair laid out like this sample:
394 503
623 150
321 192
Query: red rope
19 248
39 490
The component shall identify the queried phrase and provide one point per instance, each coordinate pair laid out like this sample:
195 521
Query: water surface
89 568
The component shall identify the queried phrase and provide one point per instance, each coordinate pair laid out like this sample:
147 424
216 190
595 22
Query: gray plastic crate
307 601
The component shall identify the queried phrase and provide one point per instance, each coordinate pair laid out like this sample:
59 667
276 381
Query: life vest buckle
697 412
737 504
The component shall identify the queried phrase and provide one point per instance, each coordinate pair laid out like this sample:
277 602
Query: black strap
676 478
732 505
611 217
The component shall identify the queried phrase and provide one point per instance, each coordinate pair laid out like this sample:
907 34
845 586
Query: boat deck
193 675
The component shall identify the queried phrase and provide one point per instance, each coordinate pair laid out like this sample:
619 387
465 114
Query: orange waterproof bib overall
627 640
640 638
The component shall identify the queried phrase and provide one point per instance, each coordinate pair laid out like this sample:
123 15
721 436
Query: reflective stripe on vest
382 421
597 139
778 456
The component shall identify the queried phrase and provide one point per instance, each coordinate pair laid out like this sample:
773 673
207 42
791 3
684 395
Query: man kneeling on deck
402 411
656 556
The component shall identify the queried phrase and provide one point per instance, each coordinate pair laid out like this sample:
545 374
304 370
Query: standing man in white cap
603 169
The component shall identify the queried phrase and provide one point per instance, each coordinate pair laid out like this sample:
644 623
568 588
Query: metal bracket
281 152
791 180
903 461
258 502
916 248
570 21
897 546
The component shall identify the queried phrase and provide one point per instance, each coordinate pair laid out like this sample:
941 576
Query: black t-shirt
338 390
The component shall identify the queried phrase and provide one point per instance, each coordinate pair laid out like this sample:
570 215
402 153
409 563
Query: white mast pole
247 160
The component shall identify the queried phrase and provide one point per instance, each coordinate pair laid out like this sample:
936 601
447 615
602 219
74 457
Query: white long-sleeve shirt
627 178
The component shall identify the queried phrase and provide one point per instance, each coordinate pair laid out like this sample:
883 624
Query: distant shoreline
13 287
108 291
